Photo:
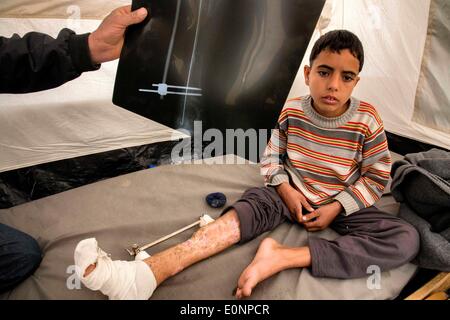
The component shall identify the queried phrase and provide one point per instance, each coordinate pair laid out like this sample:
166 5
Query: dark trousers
20 256
368 238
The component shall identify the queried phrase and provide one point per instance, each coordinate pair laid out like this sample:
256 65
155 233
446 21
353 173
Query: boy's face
331 80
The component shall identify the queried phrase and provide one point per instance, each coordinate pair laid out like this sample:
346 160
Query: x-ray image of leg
229 64
163 88
192 58
172 41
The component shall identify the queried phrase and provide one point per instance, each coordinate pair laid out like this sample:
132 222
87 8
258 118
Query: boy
326 164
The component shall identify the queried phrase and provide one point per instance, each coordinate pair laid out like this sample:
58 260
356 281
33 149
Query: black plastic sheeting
24 185
404 146
229 64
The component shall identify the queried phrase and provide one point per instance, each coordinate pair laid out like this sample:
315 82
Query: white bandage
119 280
205 220
142 255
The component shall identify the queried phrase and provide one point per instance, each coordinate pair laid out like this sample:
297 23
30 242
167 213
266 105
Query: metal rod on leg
135 249
154 243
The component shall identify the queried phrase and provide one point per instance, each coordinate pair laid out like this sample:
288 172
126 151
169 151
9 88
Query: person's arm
275 175
375 173
38 62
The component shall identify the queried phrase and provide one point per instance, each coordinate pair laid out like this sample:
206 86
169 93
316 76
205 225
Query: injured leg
206 242
138 279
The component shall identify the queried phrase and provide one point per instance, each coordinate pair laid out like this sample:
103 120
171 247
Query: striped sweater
344 158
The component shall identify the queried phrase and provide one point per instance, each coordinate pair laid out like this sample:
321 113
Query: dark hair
338 40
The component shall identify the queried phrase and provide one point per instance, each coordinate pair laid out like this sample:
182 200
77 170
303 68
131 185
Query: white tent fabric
433 94
395 35
78 118
41 133
59 9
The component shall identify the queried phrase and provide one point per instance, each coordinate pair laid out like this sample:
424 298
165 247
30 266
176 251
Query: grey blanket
144 206
421 182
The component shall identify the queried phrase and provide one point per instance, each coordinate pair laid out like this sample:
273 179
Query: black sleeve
38 62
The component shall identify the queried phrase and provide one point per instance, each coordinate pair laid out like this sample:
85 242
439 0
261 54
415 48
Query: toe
248 287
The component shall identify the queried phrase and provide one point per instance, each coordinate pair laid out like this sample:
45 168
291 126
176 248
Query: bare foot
262 267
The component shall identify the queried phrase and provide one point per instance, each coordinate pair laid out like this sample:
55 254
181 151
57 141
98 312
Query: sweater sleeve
38 62
272 164
375 173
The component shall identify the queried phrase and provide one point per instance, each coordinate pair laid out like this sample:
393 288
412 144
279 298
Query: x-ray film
229 64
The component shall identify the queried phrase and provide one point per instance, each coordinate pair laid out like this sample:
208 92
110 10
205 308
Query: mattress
146 205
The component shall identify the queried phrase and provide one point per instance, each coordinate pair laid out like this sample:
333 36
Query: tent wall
406 77
402 46
432 108
59 9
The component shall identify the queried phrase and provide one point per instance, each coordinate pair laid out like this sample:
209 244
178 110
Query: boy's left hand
322 217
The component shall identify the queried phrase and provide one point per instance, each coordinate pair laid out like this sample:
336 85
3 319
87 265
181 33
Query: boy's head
336 60
336 41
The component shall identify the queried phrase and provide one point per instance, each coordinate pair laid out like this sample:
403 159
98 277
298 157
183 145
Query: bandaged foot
119 280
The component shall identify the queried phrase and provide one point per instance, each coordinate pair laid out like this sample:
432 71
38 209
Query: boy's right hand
294 200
